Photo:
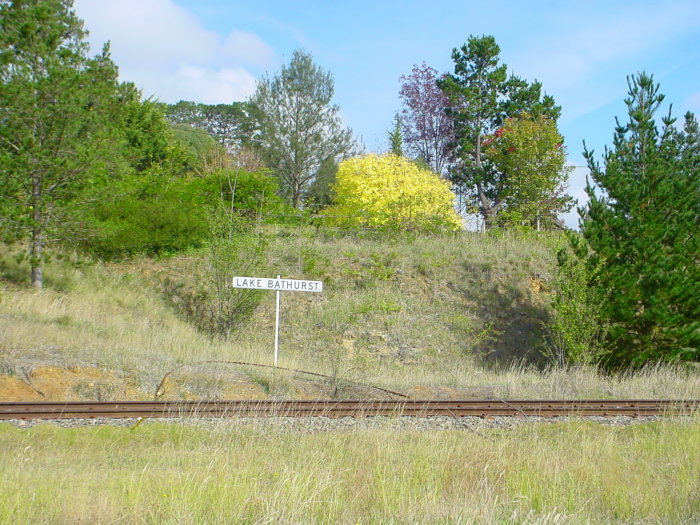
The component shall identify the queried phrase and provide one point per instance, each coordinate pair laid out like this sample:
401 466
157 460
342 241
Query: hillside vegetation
461 315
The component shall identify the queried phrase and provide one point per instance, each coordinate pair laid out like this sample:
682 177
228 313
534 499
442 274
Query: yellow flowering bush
388 191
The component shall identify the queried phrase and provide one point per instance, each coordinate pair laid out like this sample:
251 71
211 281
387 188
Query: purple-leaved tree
428 130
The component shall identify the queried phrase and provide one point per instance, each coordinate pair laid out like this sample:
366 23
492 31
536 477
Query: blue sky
214 50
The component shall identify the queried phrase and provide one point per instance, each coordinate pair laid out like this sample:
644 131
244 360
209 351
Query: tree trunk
489 214
36 249
488 210
296 191
35 259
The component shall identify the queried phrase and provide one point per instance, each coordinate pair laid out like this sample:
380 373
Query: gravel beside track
347 424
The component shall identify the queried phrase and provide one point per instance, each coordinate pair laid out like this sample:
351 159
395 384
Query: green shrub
253 193
158 214
576 331
235 246
146 216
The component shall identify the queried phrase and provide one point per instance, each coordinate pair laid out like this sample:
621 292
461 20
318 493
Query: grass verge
564 473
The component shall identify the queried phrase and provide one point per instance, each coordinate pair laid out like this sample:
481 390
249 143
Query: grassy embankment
566 473
432 316
414 315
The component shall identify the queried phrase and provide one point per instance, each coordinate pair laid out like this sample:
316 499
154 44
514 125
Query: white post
277 325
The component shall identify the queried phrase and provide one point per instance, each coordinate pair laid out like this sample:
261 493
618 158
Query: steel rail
335 409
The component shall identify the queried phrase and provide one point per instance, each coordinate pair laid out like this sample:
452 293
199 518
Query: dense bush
575 334
146 216
159 214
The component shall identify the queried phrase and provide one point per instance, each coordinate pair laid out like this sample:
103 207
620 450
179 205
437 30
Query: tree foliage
530 155
198 145
392 192
427 128
320 194
482 96
146 203
55 102
395 136
640 228
149 143
300 128
233 125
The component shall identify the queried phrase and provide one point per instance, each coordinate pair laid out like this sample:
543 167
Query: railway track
335 409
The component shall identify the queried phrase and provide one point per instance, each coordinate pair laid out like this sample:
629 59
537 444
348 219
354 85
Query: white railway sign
278 285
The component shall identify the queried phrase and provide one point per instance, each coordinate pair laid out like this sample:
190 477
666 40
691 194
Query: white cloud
215 87
248 48
167 53
565 56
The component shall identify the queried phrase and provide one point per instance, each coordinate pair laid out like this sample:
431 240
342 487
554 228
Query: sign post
279 285
277 324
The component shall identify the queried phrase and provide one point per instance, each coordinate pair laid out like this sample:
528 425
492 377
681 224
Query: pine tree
481 96
641 227
300 128
54 108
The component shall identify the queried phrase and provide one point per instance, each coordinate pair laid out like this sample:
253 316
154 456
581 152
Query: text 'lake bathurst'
281 285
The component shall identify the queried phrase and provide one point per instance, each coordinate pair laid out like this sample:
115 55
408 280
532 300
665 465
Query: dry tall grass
108 319
416 314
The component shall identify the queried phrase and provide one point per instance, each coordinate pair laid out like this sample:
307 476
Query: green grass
563 473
